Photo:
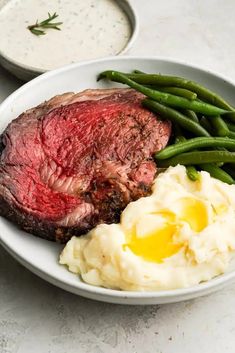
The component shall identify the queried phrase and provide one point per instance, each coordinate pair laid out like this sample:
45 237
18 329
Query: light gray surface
37 317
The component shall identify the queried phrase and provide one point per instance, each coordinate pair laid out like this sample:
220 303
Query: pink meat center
76 156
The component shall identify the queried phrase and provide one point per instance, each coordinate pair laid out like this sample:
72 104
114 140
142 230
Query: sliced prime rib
77 160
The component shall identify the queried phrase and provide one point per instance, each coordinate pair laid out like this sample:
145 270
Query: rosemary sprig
38 27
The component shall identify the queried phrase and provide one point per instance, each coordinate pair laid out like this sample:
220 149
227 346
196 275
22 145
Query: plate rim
105 294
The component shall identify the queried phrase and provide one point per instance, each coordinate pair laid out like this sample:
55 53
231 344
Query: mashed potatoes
181 235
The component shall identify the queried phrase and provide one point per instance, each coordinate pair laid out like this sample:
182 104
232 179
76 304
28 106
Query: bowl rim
126 5
100 291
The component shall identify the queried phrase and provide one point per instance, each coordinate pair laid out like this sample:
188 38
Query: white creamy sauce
90 29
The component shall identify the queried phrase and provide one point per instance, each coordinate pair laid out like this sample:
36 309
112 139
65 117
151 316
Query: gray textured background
37 317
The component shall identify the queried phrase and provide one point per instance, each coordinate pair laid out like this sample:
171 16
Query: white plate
41 256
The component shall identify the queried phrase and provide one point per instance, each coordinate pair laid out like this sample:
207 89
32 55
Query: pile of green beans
203 128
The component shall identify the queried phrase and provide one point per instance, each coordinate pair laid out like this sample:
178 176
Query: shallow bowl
26 72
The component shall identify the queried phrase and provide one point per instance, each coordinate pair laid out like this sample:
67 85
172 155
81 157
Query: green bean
195 143
201 91
138 72
199 157
176 117
231 126
163 80
204 122
192 173
231 135
217 173
219 164
162 97
182 92
191 115
180 139
219 126
229 168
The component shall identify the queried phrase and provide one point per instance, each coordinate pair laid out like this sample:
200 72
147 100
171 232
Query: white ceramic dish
41 256
27 72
